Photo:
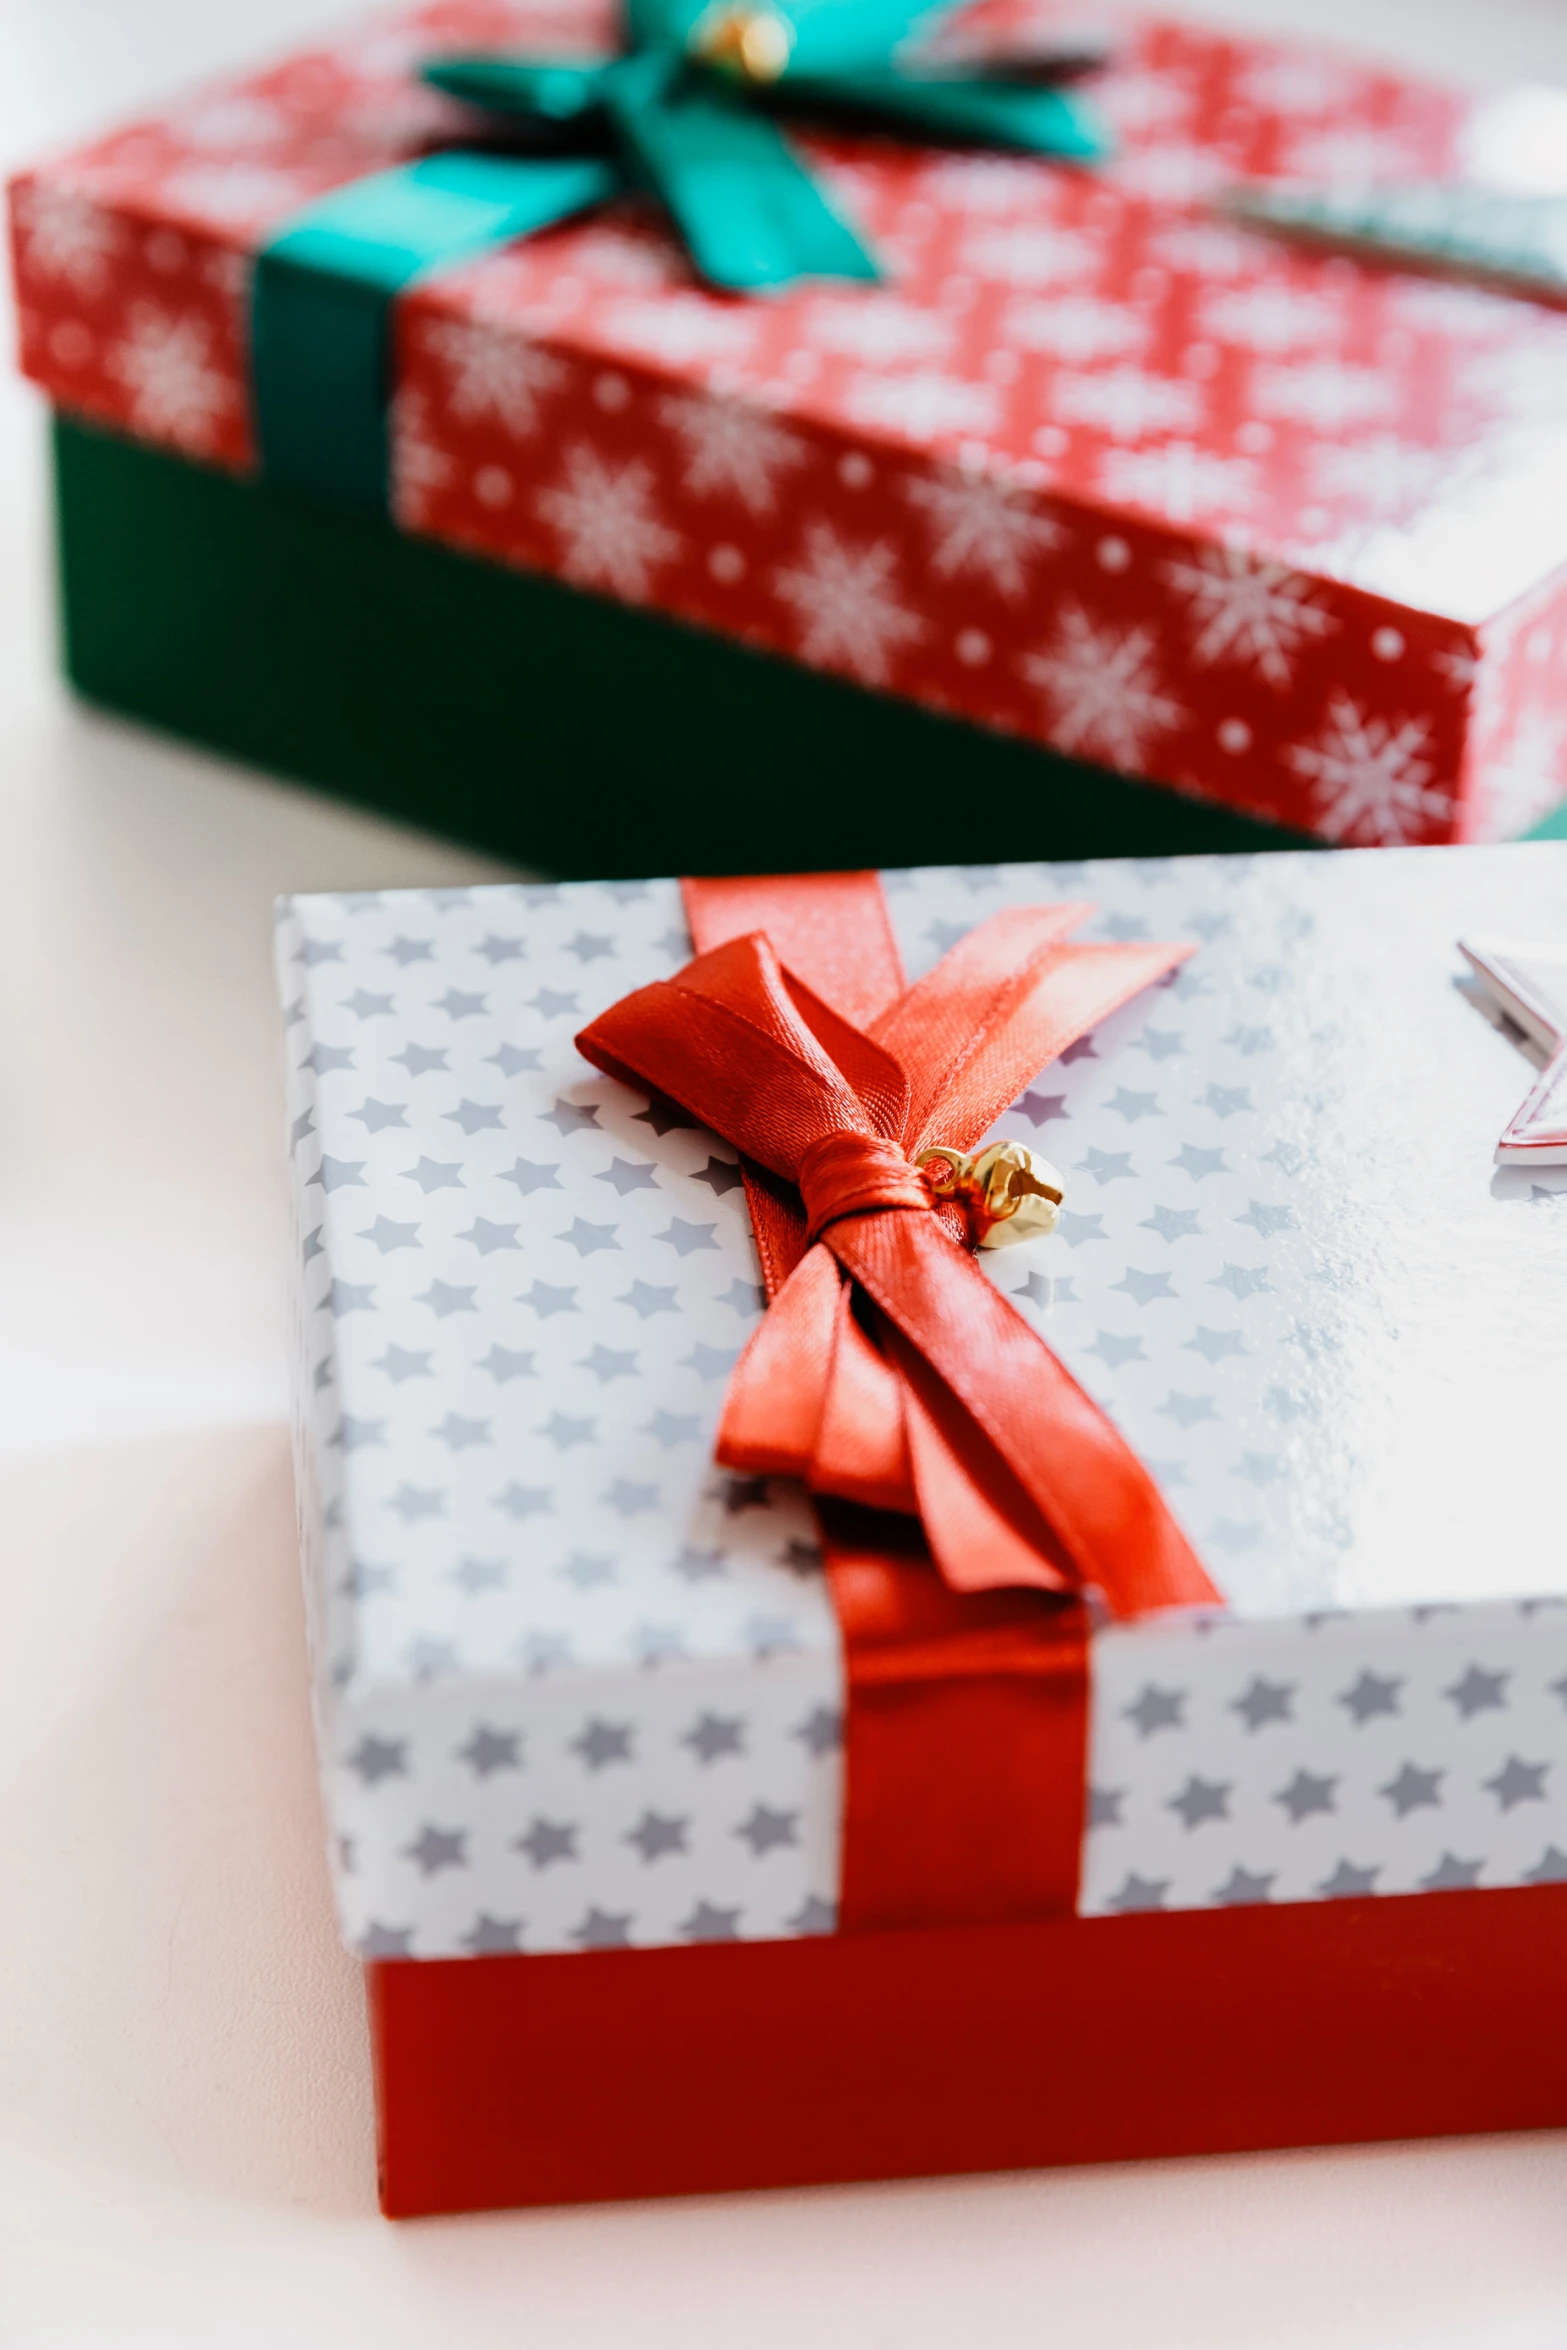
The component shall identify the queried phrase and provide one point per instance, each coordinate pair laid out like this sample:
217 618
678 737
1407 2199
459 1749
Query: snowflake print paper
923 407
1074 393
490 374
1104 692
731 451
603 517
1370 777
166 366
1248 611
1128 405
1079 328
846 603
423 467
981 529
1184 481
66 238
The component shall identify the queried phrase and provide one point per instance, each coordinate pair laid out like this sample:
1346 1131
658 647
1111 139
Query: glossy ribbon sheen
929 1420
707 146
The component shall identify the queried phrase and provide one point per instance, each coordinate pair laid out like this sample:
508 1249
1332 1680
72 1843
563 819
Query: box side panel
1515 773
553 2080
130 320
472 700
329 1602
1071 621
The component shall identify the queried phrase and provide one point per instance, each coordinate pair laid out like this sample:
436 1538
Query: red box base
768 2064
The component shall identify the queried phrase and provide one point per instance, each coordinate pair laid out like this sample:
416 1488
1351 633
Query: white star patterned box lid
577 1687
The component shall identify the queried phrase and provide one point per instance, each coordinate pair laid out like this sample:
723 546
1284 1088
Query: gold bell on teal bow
752 43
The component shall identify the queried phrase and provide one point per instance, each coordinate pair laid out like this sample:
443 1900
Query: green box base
547 726
551 727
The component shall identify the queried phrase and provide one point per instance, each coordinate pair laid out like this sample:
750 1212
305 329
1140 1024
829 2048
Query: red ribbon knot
889 1373
849 1174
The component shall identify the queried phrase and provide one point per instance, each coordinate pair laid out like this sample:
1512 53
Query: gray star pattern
548 1840
1413 1788
1201 1799
1265 1701
461 1116
1478 1691
1243 1887
491 1750
656 1834
711 1922
1307 1794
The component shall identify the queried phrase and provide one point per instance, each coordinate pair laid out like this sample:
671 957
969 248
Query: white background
184 2101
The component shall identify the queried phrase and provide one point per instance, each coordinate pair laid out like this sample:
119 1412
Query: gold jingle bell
1006 1193
751 43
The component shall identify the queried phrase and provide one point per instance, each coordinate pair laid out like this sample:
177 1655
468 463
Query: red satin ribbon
929 1420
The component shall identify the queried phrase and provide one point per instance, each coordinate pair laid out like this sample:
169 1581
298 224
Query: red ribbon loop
851 1174
890 1375
935 1396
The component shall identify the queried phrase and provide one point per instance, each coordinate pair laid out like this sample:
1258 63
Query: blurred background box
1097 487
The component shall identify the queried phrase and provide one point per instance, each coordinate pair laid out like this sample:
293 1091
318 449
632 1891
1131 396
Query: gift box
671 1868
1094 485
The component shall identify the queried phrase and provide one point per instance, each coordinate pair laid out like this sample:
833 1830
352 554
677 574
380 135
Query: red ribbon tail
773 1410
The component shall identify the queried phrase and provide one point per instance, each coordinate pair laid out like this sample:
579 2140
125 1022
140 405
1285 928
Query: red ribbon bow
888 1371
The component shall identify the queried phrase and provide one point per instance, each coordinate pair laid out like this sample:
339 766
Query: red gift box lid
1095 466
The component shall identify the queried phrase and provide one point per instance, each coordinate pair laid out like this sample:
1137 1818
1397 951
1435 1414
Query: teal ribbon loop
680 114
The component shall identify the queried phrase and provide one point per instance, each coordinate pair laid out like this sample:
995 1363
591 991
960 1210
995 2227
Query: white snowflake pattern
384 52
229 273
493 373
1370 776
1178 482
1247 610
1347 154
846 602
1030 254
1326 393
982 528
227 120
1101 688
683 329
1385 478
177 394
1126 404
1459 665
234 195
391 122
65 236
1078 328
619 257
730 450
1295 83
1209 250
420 466
603 515
980 184
1466 312
1171 175
1271 317
876 329
922 406
1144 102
1519 379
1523 782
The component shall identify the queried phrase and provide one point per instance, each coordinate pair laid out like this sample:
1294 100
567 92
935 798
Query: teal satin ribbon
666 117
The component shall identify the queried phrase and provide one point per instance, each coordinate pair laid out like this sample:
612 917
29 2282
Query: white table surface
184 2096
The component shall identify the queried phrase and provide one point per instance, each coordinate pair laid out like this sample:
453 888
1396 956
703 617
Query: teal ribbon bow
691 112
